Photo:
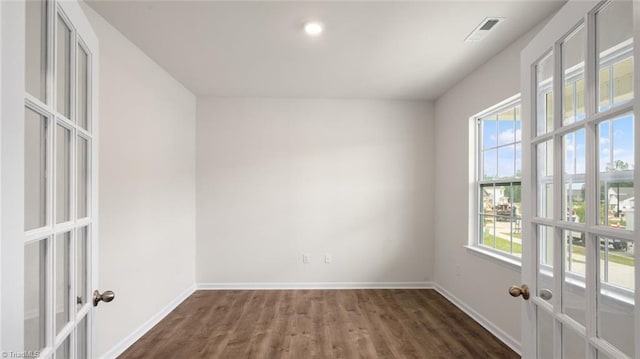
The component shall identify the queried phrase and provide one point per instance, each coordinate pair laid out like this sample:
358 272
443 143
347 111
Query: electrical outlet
457 270
327 258
306 259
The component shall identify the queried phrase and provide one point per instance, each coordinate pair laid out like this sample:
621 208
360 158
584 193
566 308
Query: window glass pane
488 199
36 48
35 295
573 284
489 132
488 224
506 127
83 83
63 68
573 177
544 334
545 258
489 164
573 74
63 351
81 267
63 282
615 300
614 46
63 174
573 344
500 163
544 91
35 170
506 161
82 195
544 177
615 164
506 221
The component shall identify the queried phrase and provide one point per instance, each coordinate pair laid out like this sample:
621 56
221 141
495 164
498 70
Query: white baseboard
484 322
316 285
144 328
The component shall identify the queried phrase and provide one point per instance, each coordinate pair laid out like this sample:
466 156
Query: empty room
319 179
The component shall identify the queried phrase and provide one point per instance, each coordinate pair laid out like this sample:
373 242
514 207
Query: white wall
477 281
147 186
281 177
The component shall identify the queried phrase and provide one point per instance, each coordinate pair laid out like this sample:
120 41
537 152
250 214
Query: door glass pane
64 351
63 68
573 77
518 160
82 194
36 48
83 83
544 334
545 179
573 284
616 293
35 295
63 281
545 259
544 95
614 46
81 339
574 346
601 355
623 81
35 170
573 176
615 172
81 267
63 174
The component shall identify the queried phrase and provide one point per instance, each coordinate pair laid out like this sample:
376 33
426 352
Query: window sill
495 257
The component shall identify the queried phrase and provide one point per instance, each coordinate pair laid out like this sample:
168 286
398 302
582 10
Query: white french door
49 179
580 134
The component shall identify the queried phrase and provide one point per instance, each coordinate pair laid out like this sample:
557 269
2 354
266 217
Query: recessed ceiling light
313 28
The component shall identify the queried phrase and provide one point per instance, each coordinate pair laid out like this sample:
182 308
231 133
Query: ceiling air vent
482 30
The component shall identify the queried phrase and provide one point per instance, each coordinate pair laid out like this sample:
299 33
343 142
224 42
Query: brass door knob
106 297
523 290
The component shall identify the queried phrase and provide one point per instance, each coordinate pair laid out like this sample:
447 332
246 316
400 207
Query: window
498 178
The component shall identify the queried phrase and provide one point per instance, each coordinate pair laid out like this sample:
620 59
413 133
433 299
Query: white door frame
546 40
12 111
12 53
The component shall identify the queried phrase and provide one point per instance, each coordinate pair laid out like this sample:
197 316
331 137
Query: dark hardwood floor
300 324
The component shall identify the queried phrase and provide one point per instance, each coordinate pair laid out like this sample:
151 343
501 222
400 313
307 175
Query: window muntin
499 179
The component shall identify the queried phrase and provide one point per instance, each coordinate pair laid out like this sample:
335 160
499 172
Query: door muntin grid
58 240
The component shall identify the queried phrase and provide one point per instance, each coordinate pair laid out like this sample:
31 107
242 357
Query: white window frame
475 181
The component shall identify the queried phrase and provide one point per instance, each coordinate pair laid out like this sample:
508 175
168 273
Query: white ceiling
385 50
